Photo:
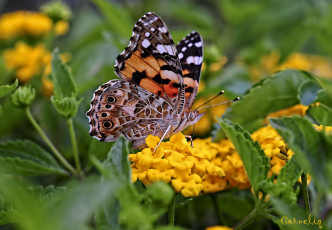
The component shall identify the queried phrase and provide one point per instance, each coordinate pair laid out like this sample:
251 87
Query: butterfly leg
191 140
162 138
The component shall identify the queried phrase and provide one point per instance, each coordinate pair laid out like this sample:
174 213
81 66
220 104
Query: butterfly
157 86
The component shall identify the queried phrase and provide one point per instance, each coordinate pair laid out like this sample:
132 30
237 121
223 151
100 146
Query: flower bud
56 10
160 192
23 96
66 106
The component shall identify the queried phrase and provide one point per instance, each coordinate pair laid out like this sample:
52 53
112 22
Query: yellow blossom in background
175 162
218 227
61 28
27 61
24 23
319 65
327 129
298 109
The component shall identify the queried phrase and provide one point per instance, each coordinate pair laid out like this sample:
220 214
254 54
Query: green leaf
321 114
73 208
118 157
64 85
308 92
254 160
289 174
284 187
99 149
274 93
27 158
312 148
69 209
7 89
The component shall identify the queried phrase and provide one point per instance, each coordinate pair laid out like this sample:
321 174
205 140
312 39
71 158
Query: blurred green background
244 41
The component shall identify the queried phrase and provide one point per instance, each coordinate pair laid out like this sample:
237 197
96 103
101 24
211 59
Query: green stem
171 212
305 191
247 220
74 144
48 142
217 209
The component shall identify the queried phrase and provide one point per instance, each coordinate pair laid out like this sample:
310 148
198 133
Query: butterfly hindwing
190 53
151 61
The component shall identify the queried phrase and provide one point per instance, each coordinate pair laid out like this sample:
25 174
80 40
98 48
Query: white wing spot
190 59
169 49
147 34
152 29
162 29
184 49
161 48
146 43
180 55
198 44
190 44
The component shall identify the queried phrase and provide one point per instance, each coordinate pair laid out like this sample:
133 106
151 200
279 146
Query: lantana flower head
175 162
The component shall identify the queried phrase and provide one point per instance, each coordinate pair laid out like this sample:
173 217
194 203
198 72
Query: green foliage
321 114
254 160
64 85
284 187
279 91
310 146
27 158
7 89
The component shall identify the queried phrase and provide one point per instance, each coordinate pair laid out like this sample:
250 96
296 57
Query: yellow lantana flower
269 64
28 62
61 28
24 23
218 227
175 162
298 109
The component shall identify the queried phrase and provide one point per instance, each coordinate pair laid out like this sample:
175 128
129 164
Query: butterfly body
158 84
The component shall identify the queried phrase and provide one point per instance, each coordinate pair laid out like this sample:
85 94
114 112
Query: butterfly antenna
192 137
220 93
235 99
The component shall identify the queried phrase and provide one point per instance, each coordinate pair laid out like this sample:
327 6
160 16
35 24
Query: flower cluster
28 61
177 163
218 227
24 23
208 167
269 64
298 109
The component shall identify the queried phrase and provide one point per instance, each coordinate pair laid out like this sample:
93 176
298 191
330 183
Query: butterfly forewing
190 52
151 61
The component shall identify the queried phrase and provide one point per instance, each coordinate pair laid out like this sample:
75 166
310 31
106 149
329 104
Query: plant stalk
74 144
305 192
171 212
48 142
217 209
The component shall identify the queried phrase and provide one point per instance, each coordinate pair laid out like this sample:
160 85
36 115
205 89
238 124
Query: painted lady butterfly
158 86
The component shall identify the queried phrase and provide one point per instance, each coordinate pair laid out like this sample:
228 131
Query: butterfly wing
151 61
119 107
190 52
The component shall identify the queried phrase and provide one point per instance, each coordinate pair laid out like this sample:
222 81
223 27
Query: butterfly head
193 117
